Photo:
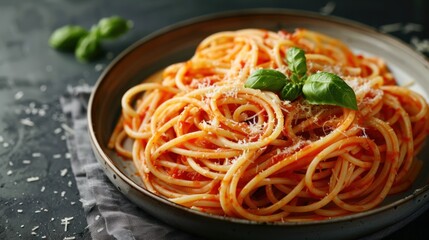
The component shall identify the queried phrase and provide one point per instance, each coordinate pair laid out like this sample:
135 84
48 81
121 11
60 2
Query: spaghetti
203 140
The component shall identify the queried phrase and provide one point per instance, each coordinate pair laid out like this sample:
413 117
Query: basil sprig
297 63
87 44
321 88
329 89
266 79
291 91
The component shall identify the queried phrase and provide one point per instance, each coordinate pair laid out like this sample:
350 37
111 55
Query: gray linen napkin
110 215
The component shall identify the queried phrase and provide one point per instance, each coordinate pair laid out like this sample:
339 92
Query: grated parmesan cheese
404 28
292 149
66 221
57 130
67 128
32 179
421 45
42 112
98 67
231 93
43 88
26 162
390 27
18 95
412 27
328 8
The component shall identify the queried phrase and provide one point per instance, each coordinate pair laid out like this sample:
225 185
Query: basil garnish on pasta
321 88
330 89
291 91
297 63
266 79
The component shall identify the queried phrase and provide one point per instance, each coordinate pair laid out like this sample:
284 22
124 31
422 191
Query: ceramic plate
178 43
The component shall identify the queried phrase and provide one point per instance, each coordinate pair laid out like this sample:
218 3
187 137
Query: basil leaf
88 48
296 79
266 79
296 61
113 27
330 89
291 91
67 37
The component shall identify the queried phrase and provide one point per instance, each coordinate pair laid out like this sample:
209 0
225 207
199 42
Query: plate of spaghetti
266 123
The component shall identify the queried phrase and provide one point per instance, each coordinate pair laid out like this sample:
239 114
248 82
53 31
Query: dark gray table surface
33 77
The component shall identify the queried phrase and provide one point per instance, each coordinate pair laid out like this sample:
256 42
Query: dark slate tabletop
37 186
